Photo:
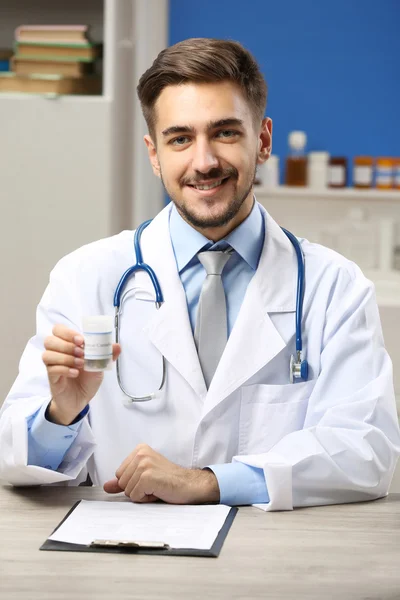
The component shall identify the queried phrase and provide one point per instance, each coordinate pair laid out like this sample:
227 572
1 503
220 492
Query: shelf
9 96
305 193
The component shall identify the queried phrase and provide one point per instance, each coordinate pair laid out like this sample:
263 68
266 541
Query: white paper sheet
184 526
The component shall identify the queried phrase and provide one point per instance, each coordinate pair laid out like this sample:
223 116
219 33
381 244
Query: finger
116 351
54 373
51 358
67 334
144 450
112 487
119 472
59 345
133 488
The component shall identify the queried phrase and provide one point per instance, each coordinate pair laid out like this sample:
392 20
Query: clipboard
137 547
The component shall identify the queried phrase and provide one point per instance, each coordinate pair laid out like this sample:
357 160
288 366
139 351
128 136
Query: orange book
50 84
42 51
23 66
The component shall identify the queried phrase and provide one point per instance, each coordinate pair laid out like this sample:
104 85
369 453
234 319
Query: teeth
208 187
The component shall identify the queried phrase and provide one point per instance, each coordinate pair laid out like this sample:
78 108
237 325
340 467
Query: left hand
147 476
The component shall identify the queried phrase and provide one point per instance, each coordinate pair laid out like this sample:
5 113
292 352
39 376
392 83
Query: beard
231 210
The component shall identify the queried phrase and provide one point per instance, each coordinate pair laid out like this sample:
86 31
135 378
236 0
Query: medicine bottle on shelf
396 168
317 170
363 167
337 172
268 173
384 173
296 162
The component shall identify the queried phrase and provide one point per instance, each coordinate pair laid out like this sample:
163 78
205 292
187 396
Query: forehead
196 104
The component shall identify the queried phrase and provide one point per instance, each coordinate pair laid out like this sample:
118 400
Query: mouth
211 187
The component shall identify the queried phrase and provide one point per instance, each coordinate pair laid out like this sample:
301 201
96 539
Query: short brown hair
202 60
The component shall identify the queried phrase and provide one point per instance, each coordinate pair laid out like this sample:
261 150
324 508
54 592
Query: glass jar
363 171
337 172
384 173
396 177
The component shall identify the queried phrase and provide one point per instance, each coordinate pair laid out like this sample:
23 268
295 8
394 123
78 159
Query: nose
204 158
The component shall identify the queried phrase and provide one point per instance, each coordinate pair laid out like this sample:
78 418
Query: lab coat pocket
269 412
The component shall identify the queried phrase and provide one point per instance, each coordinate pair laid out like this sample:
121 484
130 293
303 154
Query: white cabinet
70 166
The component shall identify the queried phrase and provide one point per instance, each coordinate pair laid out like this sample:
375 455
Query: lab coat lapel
170 330
254 340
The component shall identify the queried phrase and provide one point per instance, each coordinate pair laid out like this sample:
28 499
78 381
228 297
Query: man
227 425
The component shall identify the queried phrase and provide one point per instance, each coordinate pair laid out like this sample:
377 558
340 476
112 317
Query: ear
265 141
151 149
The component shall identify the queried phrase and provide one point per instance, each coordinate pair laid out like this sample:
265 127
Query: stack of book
56 59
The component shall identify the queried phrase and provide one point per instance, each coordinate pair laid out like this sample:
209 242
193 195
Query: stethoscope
298 366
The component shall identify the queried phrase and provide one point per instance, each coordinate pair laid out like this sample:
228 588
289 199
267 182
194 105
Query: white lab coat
332 439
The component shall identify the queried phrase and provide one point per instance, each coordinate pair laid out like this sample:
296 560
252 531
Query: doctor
241 433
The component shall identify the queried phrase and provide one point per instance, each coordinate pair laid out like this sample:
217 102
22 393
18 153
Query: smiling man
205 145
228 424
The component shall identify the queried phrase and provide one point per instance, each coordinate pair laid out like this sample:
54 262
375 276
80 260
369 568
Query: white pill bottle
98 336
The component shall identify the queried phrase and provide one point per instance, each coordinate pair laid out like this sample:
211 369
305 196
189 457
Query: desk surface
346 552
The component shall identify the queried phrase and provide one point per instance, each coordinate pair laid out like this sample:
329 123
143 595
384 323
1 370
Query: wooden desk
346 552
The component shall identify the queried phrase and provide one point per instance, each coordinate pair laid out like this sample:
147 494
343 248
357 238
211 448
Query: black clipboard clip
129 544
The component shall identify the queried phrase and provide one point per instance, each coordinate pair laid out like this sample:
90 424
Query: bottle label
384 175
362 175
337 175
97 345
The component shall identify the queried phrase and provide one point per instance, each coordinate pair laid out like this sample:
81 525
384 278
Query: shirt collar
247 239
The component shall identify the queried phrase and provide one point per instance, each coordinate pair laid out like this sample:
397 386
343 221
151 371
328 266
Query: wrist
54 415
207 488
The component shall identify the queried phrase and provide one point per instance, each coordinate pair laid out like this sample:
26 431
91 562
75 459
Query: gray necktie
211 331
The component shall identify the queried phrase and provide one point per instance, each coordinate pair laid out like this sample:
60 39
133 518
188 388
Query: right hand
71 387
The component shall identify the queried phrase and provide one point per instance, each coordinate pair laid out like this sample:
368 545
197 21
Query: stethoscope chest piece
298 369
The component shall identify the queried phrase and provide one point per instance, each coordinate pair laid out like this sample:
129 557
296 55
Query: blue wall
333 68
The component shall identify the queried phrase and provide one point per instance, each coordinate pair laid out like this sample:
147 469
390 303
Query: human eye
180 140
228 133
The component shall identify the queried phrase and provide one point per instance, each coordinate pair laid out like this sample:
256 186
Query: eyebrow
230 122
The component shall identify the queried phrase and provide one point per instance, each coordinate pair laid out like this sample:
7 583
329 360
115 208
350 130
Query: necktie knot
214 261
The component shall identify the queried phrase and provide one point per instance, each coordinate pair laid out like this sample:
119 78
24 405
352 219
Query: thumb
116 351
112 487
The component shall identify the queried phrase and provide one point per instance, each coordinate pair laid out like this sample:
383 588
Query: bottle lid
98 324
273 160
322 157
297 140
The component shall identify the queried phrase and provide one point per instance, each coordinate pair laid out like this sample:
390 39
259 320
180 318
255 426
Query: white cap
273 160
297 140
322 157
98 324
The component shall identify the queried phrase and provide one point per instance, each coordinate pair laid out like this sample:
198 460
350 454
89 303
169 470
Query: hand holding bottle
71 387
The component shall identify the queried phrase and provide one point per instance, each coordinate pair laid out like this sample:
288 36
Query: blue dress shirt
238 483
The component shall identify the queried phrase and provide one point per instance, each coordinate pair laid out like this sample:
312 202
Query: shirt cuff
240 484
49 442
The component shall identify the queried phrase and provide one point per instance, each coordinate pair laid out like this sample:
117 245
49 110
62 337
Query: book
50 84
25 66
65 52
71 34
